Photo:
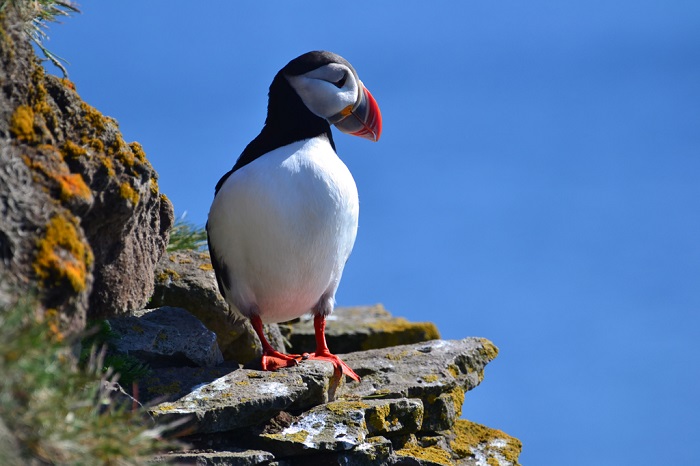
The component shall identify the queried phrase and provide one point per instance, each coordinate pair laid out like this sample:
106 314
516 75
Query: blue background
536 183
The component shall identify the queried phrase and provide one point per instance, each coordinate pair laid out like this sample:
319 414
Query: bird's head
329 87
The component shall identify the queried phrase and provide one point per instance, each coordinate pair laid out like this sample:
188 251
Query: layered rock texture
82 221
406 409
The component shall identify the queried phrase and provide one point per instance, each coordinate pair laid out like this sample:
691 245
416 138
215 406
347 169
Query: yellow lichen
97 145
206 267
109 165
137 149
488 349
61 257
343 407
431 378
154 186
470 437
22 123
431 454
457 396
378 416
94 117
167 274
129 193
399 356
399 331
71 150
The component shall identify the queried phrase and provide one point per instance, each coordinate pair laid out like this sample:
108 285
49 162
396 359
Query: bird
284 219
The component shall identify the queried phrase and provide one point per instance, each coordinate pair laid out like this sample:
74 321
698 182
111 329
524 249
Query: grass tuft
36 15
185 235
59 413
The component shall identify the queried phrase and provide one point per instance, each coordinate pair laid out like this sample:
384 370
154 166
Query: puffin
284 219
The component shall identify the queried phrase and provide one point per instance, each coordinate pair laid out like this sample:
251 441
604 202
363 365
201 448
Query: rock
165 337
438 372
404 411
186 279
171 383
358 328
216 458
82 221
344 425
475 445
247 397
423 371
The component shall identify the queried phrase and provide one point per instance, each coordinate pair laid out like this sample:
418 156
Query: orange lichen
53 322
129 193
72 185
22 123
68 84
62 257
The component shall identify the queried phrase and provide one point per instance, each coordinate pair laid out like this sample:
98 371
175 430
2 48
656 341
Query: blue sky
536 183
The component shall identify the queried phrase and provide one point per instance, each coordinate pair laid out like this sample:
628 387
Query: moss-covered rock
81 223
359 328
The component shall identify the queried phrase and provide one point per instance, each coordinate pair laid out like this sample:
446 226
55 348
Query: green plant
185 235
36 14
59 413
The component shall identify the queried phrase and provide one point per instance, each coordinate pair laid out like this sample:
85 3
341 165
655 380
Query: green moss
62 258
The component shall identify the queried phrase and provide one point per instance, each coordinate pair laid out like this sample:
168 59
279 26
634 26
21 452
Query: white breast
284 226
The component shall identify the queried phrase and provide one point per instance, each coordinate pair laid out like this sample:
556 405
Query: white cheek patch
323 98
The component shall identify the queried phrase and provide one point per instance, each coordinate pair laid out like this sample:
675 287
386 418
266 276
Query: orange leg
324 354
271 358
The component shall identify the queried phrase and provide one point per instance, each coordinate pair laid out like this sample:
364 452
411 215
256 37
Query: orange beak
362 119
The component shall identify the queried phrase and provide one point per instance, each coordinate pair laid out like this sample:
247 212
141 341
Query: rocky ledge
204 377
406 409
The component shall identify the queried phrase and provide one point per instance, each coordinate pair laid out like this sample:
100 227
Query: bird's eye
341 82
